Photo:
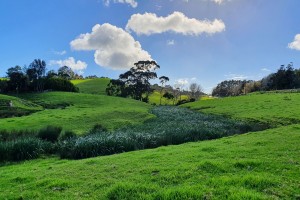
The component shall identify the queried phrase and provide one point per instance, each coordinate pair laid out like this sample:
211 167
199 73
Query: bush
60 84
23 149
64 135
49 133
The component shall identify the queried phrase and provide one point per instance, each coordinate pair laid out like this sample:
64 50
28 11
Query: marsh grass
172 126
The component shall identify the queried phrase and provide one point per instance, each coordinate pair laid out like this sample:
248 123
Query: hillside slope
18 107
92 86
79 112
272 108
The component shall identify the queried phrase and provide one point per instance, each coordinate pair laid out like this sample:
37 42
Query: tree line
286 77
36 78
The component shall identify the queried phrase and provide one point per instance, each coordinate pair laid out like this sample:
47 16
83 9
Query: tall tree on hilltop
162 80
135 82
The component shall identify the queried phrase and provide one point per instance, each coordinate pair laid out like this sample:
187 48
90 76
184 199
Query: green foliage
65 135
49 133
60 84
23 148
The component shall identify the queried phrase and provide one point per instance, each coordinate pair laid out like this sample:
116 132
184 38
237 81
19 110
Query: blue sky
203 41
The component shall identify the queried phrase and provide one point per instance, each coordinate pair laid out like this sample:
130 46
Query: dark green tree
66 72
36 74
135 82
162 80
18 81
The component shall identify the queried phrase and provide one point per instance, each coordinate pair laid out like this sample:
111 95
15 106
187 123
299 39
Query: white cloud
60 53
77 66
296 43
133 3
170 42
114 48
177 22
265 69
218 1
236 77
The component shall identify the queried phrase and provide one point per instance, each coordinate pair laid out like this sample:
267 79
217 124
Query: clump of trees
286 77
35 78
135 83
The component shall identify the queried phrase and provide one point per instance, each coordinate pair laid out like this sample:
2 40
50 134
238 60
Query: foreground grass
92 86
260 165
271 108
79 112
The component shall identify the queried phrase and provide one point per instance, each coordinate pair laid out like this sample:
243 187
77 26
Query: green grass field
256 165
251 166
78 112
92 86
272 108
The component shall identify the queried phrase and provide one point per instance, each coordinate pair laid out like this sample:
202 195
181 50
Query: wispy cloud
170 42
114 47
296 43
132 3
265 69
150 23
60 53
232 76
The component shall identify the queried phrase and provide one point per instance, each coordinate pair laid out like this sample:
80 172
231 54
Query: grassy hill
78 112
272 108
92 86
258 165
19 107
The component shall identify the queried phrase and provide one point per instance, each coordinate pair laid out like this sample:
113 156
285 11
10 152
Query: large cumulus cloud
114 48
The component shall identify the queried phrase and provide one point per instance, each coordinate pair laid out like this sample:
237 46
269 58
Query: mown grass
79 112
260 165
272 108
92 86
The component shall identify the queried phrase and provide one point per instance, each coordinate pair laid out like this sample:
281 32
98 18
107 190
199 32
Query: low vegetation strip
172 125
260 165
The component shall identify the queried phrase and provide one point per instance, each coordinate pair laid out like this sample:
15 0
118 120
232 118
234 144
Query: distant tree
284 78
169 96
18 81
163 80
135 82
51 74
229 88
196 90
66 72
36 74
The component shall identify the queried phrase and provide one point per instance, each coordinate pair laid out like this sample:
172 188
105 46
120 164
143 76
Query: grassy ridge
79 112
92 86
273 108
19 107
251 166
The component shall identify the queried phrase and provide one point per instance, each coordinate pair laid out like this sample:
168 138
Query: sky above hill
202 41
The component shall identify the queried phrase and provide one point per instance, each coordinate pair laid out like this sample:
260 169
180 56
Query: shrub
64 135
60 84
49 133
